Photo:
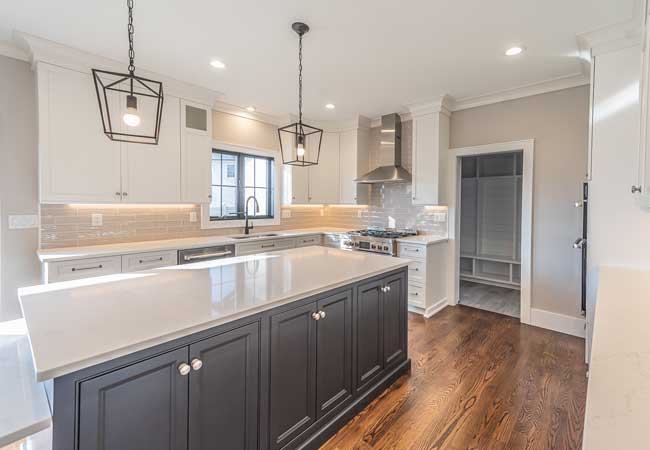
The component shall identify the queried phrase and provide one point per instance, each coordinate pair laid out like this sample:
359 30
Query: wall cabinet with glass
78 163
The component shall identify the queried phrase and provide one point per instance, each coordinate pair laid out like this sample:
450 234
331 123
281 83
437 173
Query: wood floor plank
481 381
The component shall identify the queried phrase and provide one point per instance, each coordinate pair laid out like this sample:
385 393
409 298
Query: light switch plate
286 213
24 221
96 220
193 216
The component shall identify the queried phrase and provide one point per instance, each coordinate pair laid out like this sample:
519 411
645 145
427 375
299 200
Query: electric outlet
21 222
359 213
97 220
286 213
193 216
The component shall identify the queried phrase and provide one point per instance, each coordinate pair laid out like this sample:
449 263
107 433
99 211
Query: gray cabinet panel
334 352
139 407
224 392
293 374
394 318
368 332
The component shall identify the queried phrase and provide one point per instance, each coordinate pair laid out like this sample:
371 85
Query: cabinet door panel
224 392
293 374
152 173
394 318
334 352
368 334
324 177
78 162
139 407
196 153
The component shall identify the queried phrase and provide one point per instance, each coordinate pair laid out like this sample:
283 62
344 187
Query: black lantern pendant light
142 94
301 146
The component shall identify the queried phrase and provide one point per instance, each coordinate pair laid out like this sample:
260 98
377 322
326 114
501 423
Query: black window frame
241 187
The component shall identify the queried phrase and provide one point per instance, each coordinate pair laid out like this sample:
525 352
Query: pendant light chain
129 4
300 80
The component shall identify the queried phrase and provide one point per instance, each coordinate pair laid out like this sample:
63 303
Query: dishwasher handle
207 255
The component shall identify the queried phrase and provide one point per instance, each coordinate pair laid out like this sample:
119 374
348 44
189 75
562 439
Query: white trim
206 223
453 185
543 87
613 37
575 326
431 310
10 50
241 111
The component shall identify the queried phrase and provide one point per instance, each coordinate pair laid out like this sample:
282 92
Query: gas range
377 240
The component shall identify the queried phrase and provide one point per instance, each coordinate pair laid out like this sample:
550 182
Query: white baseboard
574 326
431 310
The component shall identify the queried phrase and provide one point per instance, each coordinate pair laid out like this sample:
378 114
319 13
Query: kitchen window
237 176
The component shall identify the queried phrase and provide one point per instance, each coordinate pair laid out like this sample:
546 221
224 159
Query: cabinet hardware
636 189
210 196
315 316
268 246
413 293
184 369
118 194
322 314
124 194
206 255
387 288
196 364
142 261
77 269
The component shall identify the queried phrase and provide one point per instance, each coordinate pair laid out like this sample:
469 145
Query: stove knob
373 246
347 243
385 247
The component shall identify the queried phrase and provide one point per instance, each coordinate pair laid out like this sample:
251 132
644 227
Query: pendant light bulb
131 117
300 148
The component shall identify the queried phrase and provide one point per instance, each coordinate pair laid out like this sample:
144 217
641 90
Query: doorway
491 227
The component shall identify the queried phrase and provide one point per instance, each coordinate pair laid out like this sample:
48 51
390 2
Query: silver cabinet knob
118 194
636 189
196 364
124 194
322 314
387 288
315 316
184 369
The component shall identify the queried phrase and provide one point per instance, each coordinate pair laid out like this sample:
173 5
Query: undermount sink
254 236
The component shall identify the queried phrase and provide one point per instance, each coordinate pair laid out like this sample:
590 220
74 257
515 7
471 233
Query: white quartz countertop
618 394
76 324
92 251
24 409
423 239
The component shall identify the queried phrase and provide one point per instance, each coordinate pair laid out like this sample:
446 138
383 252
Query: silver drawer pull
406 249
413 293
207 255
144 261
77 269
414 269
268 246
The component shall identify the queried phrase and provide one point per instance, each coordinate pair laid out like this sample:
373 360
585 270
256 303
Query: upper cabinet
343 158
430 146
78 163
641 186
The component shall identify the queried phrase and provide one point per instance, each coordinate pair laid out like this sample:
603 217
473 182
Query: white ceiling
367 57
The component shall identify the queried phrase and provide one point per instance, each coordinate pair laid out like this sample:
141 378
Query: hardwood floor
479 381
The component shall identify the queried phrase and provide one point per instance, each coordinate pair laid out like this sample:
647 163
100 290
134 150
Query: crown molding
613 37
10 50
555 84
240 111
49 52
444 105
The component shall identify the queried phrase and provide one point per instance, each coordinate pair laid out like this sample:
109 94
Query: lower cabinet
311 365
278 381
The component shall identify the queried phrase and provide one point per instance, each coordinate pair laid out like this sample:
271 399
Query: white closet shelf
494 258
496 281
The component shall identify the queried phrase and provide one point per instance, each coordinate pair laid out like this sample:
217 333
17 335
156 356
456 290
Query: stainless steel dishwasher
205 254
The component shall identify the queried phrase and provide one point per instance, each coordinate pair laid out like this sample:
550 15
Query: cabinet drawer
415 295
309 240
82 268
411 251
265 246
417 271
151 260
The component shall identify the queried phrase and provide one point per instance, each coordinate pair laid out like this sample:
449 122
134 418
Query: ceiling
366 57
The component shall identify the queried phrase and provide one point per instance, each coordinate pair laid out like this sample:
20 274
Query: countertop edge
51 373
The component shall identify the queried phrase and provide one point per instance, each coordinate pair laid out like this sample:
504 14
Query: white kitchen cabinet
77 162
641 186
354 163
196 153
56 271
430 145
152 173
324 177
149 260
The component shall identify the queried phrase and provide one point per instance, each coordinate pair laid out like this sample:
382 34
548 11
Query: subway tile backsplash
390 205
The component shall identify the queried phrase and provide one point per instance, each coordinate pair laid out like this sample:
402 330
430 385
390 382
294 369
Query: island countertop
77 324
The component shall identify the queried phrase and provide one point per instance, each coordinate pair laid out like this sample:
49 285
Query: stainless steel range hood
391 149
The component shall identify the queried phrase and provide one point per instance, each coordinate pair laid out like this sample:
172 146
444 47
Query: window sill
207 224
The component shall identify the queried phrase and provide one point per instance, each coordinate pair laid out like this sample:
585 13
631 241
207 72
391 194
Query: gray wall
558 122
18 182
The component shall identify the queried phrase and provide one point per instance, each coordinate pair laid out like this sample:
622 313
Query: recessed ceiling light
330 106
514 51
217 64
250 109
